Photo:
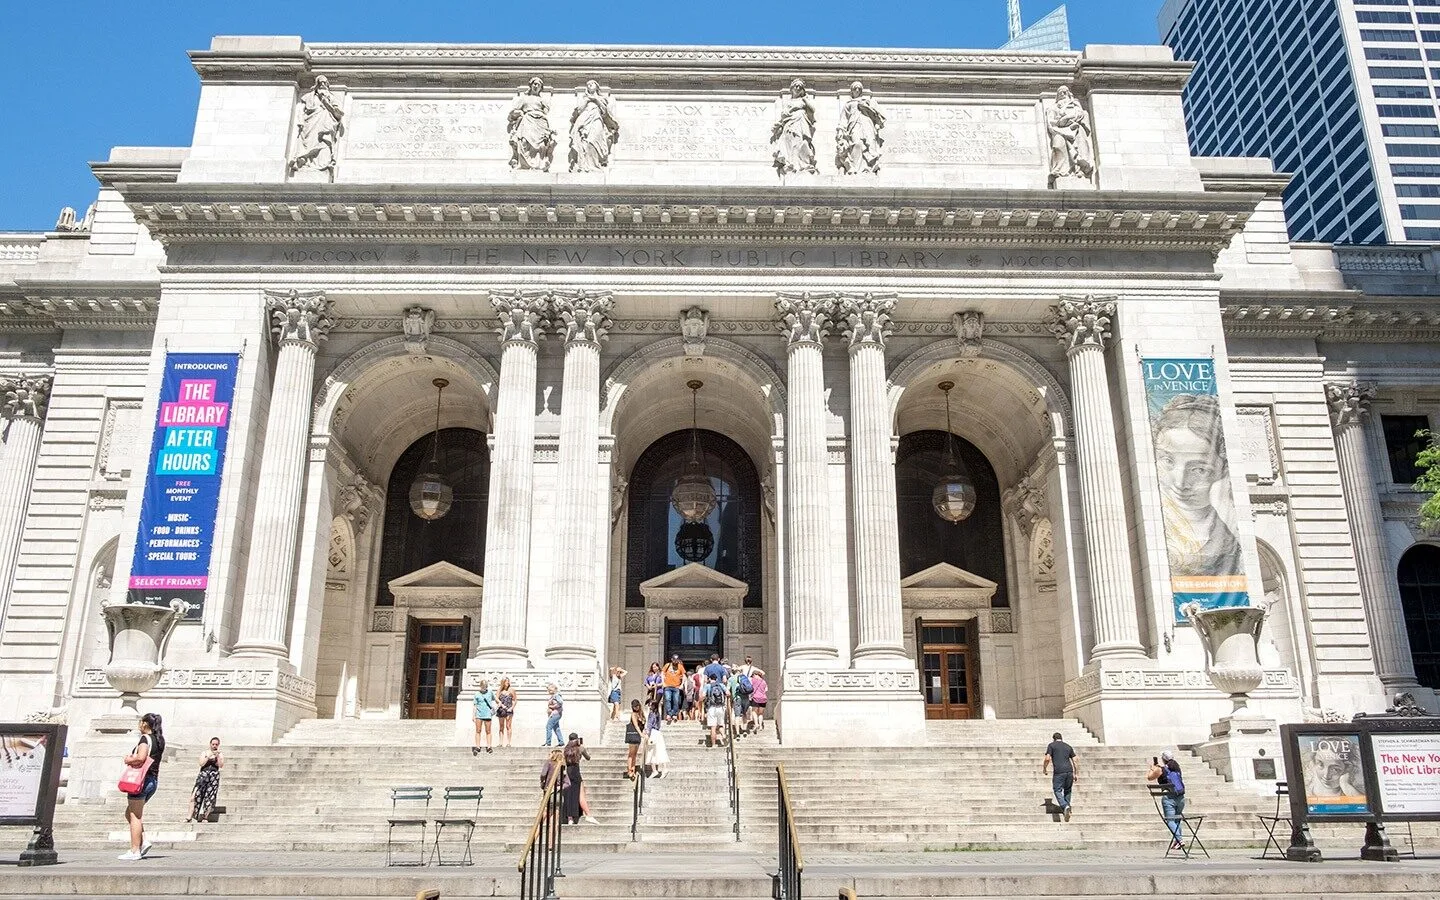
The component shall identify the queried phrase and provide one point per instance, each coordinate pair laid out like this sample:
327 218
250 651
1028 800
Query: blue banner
1197 504
182 481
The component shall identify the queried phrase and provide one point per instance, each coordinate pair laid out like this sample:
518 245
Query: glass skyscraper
1339 93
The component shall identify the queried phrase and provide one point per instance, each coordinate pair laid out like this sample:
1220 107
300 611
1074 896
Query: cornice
1334 316
97 306
576 212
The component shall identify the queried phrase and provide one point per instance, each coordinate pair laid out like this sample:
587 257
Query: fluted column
804 319
586 320
881 629
298 323
1349 407
523 320
1083 326
22 416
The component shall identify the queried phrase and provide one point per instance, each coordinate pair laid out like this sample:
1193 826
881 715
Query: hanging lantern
954 497
693 496
694 541
430 494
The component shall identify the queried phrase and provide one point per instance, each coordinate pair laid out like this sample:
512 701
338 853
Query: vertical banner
1198 507
182 481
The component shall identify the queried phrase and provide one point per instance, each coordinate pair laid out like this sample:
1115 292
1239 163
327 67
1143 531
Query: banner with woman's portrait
1198 506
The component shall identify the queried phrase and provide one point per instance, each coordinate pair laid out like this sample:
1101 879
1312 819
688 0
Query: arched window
1419 576
458 537
653 524
977 544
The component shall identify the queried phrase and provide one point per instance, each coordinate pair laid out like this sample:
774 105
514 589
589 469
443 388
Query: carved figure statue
1072 150
417 323
532 141
860 136
594 131
792 137
318 127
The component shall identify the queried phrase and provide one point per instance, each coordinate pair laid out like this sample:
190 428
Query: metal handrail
791 861
731 772
540 860
637 802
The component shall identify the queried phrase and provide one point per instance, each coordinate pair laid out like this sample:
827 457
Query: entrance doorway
694 640
948 671
435 667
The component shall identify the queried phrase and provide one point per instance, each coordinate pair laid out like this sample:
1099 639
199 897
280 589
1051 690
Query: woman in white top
617 675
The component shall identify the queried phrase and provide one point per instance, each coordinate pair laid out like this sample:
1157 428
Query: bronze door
436 667
948 673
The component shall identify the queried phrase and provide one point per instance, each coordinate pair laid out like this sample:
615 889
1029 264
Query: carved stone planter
139 633
1231 636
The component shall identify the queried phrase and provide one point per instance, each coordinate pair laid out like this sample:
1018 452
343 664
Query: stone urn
138 635
1231 635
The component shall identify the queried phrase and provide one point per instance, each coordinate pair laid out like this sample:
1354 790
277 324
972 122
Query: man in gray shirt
1061 757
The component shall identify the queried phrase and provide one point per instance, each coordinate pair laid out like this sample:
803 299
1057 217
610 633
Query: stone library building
941 384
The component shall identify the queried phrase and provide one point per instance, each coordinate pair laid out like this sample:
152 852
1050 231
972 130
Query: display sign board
31 756
182 480
1407 773
1332 774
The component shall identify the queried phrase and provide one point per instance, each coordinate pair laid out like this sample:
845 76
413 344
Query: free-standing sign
1196 502
182 481
1407 772
31 756
1332 775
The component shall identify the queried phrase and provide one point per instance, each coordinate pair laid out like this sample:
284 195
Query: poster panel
1192 465
1407 772
22 774
182 481
1333 774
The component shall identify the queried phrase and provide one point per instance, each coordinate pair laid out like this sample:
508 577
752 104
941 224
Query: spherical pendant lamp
954 497
693 497
430 494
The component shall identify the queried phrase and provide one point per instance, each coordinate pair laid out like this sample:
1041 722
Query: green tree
1428 461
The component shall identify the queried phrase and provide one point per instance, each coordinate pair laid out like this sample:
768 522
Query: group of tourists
575 802
1060 764
703 694
141 779
500 704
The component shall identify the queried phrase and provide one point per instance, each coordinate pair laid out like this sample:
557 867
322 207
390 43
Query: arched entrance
1419 577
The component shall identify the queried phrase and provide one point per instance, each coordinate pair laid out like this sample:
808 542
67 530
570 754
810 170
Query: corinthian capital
24 396
299 316
1082 321
867 318
585 315
1349 402
523 316
805 318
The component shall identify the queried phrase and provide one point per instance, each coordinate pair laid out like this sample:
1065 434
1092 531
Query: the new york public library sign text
891 258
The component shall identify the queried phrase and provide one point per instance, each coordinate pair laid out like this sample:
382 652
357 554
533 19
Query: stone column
881 628
586 320
298 323
1083 326
22 416
523 319
1349 408
804 319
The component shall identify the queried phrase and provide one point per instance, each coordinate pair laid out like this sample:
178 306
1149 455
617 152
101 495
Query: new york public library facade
831 294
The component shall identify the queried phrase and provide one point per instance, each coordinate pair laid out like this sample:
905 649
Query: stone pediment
693 586
439 585
947 587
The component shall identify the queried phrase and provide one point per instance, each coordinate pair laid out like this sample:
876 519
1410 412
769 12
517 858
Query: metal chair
1271 824
410 795
1187 823
462 797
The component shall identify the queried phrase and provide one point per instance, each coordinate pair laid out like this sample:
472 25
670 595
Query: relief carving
299 316
860 137
584 315
532 140
867 318
969 331
1082 321
24 397
1072 146
694 327
417 323
805 318
594 131
523 317
319 123
792 137
1349 402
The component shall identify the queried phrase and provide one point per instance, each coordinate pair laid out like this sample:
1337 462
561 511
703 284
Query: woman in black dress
207 783
574 752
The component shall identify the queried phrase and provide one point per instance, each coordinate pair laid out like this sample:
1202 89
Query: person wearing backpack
716 699
1165 771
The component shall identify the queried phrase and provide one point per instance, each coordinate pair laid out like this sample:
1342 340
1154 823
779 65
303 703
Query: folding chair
461 797
411 796
1189 824
1271 824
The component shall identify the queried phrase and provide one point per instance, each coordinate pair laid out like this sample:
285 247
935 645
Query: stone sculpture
532 141
694 326
969 332
860 136
417 323
1072 149
139 633
319 123
792 137
594 131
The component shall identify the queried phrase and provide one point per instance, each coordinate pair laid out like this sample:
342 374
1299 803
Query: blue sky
82 76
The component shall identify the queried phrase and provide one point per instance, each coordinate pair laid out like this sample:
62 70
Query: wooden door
948 670
435 668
